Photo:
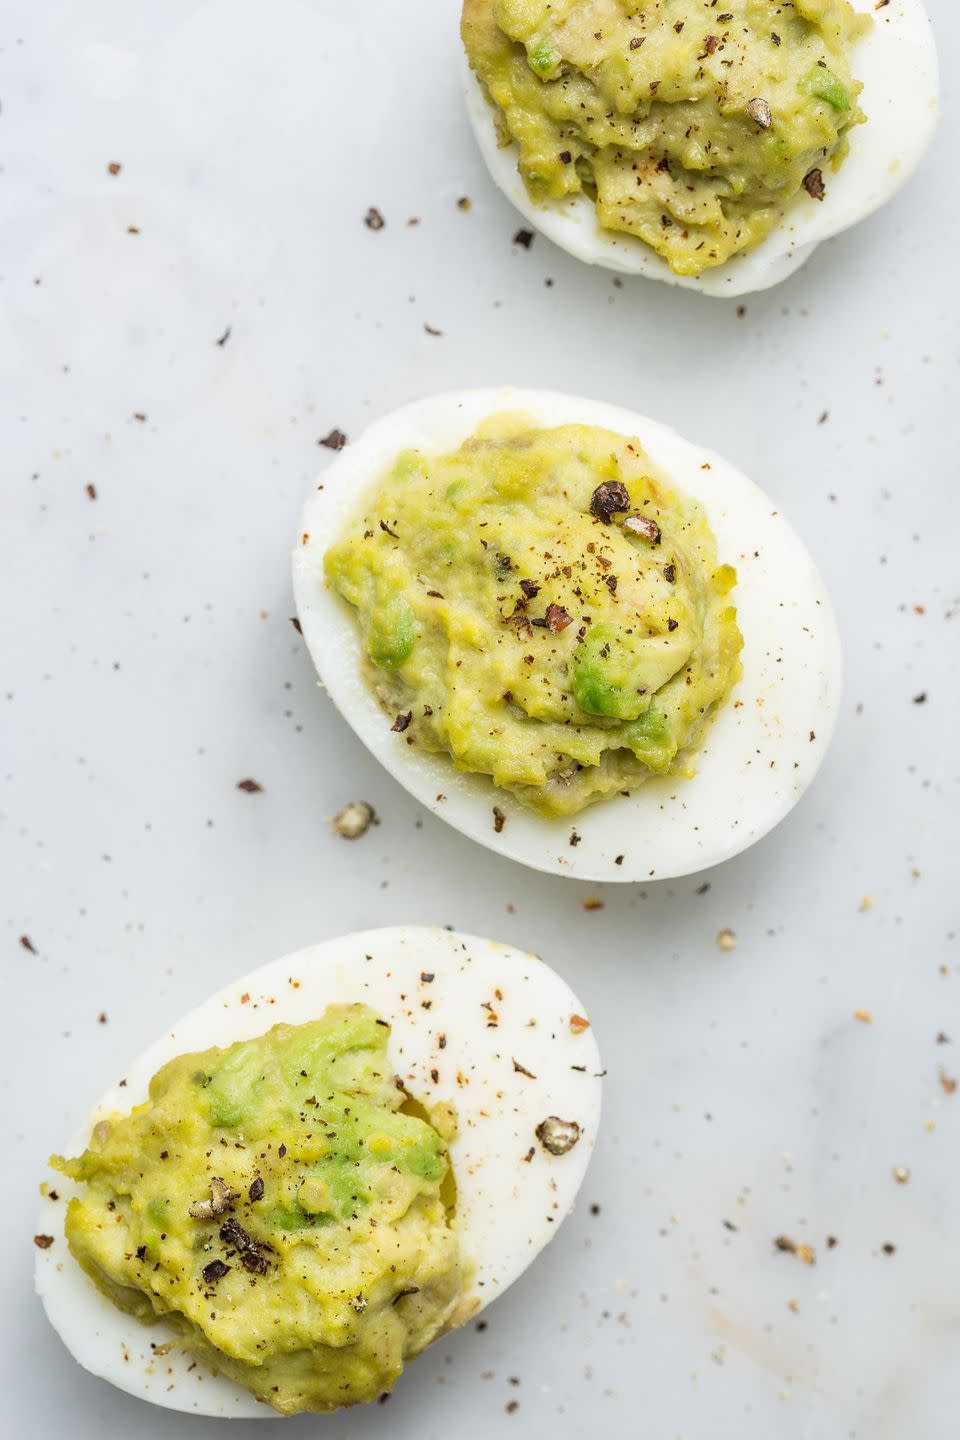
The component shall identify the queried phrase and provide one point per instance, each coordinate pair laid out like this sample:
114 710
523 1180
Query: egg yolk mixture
690 124
275 1202
544 609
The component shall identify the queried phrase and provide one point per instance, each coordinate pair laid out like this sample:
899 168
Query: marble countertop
175 339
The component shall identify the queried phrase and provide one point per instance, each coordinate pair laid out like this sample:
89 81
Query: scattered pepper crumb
354 820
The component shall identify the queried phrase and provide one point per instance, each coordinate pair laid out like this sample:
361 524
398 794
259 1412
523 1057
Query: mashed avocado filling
690 124
275 1203
542 608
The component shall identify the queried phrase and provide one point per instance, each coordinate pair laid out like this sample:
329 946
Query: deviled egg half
585 642
708 146
319 1171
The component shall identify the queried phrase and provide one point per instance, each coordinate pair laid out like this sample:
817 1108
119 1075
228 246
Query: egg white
897 63
510 1202
760 753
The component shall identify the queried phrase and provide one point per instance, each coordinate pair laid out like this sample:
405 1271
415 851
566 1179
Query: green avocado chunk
605 676
824 84
391 633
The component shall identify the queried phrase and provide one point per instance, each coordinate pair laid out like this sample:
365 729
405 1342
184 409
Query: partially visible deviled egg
583 641
706 149
326 1166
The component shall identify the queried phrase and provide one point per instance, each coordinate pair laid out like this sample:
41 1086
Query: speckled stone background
175 339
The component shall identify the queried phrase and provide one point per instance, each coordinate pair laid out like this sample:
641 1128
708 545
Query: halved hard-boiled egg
583 641
326 1165
709 147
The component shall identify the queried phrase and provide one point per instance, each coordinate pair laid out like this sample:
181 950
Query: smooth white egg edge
669 827
509 1207
897 63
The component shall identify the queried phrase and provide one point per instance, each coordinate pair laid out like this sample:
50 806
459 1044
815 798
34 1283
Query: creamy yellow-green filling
691 124
542 607
278 1204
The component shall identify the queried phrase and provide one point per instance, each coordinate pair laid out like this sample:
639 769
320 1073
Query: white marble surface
149 664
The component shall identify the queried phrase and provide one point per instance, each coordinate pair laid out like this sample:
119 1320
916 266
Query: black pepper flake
813 183
407 1290
233 1233
296 624
401 722
254 1261
282 1150
609 499
524 238
141 1252
519 1069
643 525
91 491
499 819
250 787
222 339
920 699
637 41
557 1136
672 624
373 219
27 944
43 1242
759 110
214 1271
564 157
669 573
529 588
558 618
334 441
387 531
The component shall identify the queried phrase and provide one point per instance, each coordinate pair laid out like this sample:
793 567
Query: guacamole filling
690 125
544 608
276 1202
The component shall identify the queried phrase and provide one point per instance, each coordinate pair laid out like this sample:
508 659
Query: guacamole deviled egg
583 641
319 1171
710 146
